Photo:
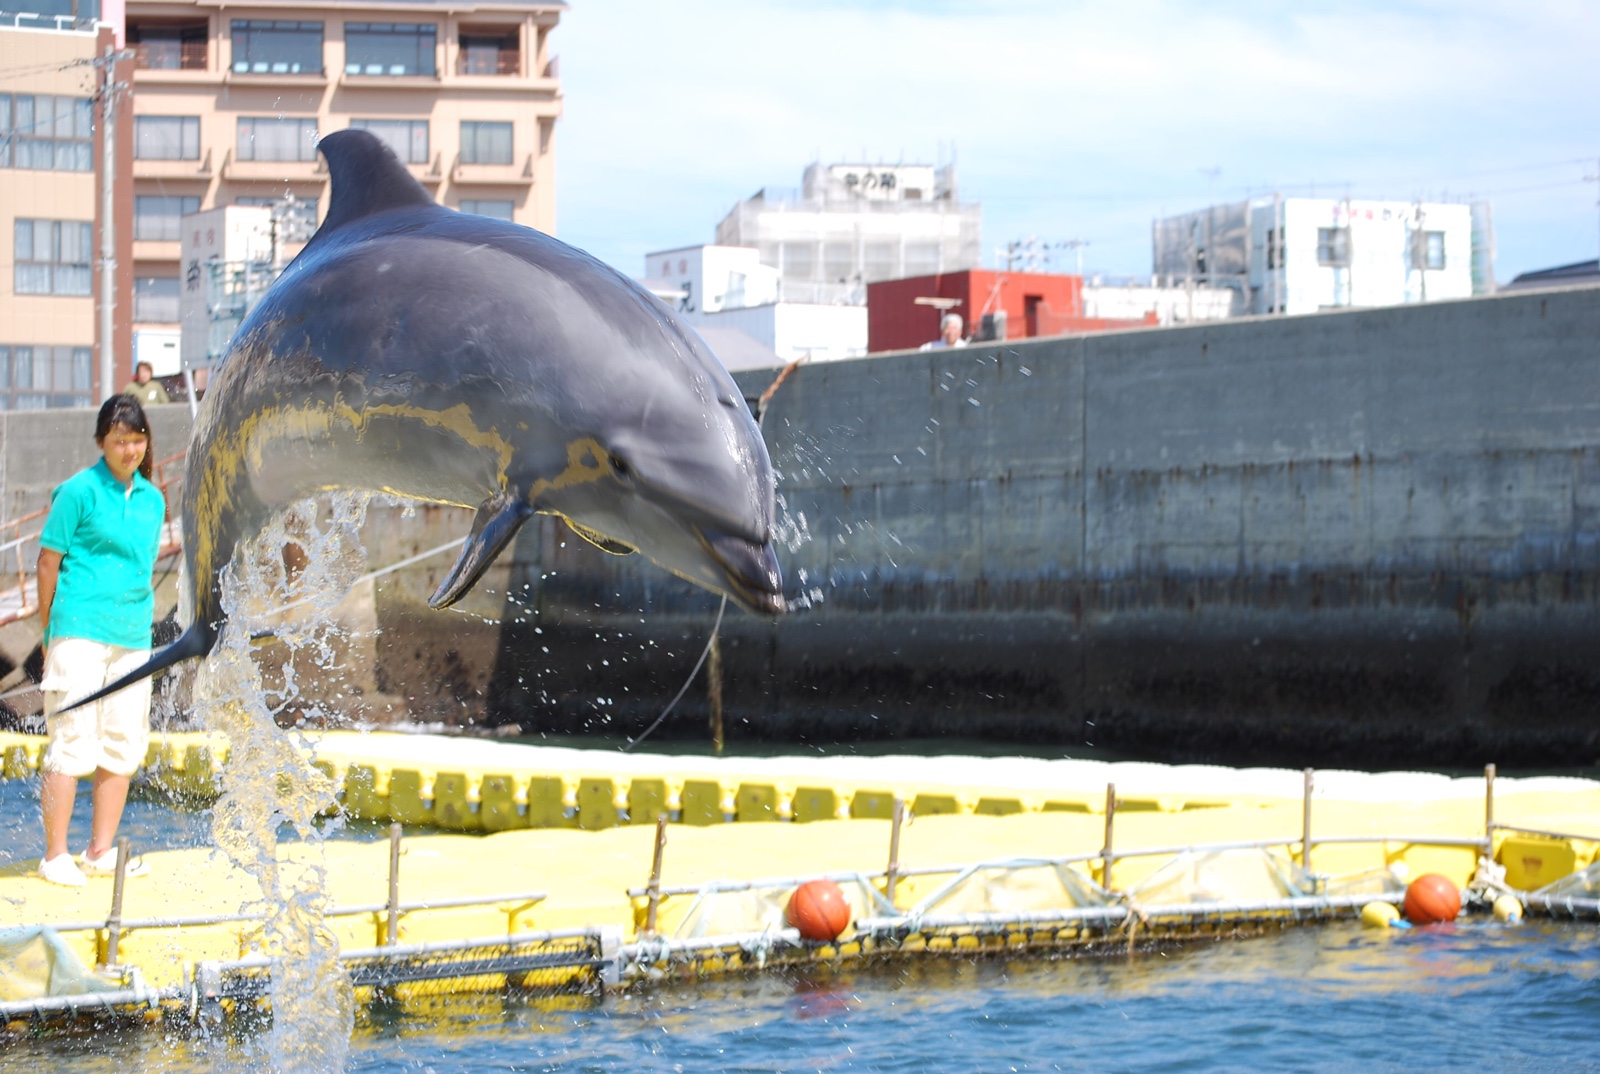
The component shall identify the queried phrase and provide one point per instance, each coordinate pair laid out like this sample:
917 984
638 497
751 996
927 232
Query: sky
1085 121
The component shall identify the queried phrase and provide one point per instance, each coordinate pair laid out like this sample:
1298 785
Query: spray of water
286 583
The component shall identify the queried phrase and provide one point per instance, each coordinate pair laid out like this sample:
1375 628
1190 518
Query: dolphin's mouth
752 571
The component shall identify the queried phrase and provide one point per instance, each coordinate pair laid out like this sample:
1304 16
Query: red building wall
1035 304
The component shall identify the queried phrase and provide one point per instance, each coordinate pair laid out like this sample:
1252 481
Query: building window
500 210
489 54
53 257
485 143
407 137
32 378
155 299
267 138
389 48
296 219
799 260
168 48
922 258
158 217
1333 246
166 137
880 261
45 133
1427 250
1274 249
838 261
275 47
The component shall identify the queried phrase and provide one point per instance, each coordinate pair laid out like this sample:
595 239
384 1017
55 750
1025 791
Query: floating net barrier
1576 896
551 963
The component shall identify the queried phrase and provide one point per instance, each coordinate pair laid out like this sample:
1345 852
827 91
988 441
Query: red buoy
1432 898
819 910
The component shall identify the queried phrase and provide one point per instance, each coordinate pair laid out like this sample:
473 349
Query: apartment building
50 206
230 100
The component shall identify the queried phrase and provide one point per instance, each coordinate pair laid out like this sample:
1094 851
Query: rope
685 687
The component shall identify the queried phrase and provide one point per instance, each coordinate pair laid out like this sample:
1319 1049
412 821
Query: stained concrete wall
1363 536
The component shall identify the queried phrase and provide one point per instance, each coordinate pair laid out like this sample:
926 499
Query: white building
726 289
1300 255
705 279
854 224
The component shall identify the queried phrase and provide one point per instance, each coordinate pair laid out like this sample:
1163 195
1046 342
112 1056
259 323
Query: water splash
287 583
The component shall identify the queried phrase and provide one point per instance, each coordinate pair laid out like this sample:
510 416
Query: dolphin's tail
196 641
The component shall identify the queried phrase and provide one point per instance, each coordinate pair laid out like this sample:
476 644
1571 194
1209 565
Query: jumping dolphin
462 360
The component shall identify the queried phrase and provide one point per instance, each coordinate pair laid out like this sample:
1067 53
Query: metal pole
114 922
714 693
392 933
108 235
1305 823
891 875
1488 805
654 890
1106 855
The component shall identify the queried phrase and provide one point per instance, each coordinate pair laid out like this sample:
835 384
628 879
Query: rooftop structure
1300 255
854 224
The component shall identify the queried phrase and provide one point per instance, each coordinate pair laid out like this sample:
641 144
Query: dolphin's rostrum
462 360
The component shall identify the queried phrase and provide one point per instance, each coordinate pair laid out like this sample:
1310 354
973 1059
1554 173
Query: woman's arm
48 571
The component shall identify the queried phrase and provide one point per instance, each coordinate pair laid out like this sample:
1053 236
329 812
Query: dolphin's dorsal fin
497 522
367 178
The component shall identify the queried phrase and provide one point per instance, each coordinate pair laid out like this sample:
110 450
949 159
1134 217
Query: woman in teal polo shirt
96 556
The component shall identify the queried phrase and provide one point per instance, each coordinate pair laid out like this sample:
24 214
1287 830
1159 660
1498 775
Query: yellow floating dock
567 839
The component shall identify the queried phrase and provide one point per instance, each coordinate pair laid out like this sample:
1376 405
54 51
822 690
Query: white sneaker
62 870
106 865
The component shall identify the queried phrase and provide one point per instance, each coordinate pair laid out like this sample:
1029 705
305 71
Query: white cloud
1077 119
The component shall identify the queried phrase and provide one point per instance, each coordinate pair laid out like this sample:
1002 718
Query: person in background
949 333
96 556
144 388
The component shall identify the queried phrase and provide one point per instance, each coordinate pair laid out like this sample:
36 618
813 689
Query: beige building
49 202
230 100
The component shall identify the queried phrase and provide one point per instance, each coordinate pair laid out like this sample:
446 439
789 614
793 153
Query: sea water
1476 995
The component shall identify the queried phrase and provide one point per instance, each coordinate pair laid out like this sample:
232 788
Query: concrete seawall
1365 536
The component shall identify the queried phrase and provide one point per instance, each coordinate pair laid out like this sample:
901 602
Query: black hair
125 410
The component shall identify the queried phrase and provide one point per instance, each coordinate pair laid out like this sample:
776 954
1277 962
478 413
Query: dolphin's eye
619 465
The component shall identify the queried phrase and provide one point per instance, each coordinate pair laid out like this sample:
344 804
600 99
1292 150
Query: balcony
428 174
491 62
390 82
493 174
144 168
318 77
235 170
170 56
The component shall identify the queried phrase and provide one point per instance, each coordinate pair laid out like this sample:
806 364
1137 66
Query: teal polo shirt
108 534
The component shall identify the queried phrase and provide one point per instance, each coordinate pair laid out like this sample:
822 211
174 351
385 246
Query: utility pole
110 89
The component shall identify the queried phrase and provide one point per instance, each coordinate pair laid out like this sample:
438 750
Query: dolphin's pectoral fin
600 540
498 521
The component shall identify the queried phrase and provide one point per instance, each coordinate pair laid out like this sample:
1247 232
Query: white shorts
114 732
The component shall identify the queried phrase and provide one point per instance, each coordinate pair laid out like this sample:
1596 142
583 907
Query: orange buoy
1431 898
819 910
